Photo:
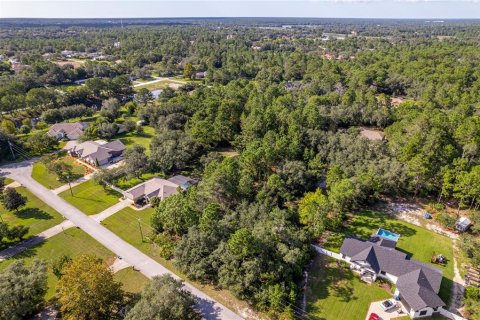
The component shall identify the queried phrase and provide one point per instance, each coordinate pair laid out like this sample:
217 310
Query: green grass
334 292
133 281
129 183
417 242
131 138
49 180
36 215
91 198
8 181
161 85
73 242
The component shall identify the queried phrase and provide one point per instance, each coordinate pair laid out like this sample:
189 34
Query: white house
417 283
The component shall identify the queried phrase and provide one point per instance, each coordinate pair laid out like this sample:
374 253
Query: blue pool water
388 234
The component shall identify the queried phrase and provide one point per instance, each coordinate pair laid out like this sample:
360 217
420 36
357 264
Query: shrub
446 219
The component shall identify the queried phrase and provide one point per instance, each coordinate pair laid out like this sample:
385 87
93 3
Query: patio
375 307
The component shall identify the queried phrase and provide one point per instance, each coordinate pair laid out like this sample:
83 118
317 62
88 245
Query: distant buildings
98 153
71 131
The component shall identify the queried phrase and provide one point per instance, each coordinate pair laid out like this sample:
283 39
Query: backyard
131 138
48 179
333 292
91 198
36 215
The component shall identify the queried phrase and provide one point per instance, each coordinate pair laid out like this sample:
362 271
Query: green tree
189 71
164 299
136 161
22 289
87 290
316 212
12 200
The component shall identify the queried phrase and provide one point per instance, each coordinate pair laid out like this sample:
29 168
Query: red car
373 316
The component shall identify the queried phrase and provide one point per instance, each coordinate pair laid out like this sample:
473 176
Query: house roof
97 151
158 187
71 130
417 282
463 221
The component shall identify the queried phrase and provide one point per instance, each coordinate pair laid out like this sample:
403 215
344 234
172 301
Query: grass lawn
133 281
131 138
124 224
37 215
72 243
161 85
49 180
336 293
129 183
417 242
8 181
91 198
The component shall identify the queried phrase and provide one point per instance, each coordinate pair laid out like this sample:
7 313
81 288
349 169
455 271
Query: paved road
21 172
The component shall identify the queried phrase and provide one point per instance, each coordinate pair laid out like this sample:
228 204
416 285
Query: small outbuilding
462 224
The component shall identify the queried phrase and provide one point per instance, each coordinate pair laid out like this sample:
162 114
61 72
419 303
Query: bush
446 219
25 129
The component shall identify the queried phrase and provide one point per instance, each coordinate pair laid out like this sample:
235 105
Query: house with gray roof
417 283
98 153
71 131
158 187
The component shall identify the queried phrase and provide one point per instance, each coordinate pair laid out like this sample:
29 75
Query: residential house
417 283
157 187
71 131
98 153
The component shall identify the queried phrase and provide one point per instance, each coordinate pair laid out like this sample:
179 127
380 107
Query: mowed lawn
334 292
131 138
49 180
133 281
415 241
73 242
91 198
36 215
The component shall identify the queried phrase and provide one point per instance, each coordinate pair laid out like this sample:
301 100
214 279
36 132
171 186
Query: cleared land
143 139
49 180
133 281
36 215
91 198
334 292
415 241
162 84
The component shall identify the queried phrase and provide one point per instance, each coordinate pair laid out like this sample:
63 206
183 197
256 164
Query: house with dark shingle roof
417 283
98 153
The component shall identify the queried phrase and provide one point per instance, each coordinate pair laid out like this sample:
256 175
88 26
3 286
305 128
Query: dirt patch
76 64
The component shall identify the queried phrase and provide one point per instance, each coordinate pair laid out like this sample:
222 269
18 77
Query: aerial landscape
224 162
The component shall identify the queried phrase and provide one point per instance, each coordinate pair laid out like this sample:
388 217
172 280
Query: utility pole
70 185
11 150
140 227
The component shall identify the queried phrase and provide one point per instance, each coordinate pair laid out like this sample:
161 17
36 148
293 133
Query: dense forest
291 100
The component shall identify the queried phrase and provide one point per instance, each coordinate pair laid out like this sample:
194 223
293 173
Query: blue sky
427 9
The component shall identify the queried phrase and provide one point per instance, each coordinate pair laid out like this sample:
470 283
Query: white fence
327 252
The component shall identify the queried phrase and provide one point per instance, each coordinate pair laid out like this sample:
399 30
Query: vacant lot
174 84
334 292
49 180
91 198
37 215
143 139
133 281
73 242
417 242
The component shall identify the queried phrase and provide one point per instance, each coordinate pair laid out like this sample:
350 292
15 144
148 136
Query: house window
424 312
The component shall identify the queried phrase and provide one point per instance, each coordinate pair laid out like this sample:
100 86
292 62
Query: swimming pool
388 234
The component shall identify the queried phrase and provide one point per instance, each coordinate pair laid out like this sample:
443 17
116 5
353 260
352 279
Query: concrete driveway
375 307
21 172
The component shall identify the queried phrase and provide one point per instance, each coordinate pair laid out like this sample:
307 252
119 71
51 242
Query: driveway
21 172
375 307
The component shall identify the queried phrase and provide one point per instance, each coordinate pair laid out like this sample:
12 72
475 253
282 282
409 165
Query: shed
462 224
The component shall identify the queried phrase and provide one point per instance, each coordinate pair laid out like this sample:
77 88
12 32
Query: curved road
21 172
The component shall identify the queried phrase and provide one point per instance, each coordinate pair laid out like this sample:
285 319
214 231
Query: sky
408 9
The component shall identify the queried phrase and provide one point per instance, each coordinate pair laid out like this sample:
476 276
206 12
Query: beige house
71 131
98 153
157 187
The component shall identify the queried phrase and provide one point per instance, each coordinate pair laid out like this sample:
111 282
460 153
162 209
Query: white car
389 304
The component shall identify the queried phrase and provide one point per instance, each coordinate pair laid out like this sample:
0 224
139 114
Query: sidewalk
24 245
74 183
110 211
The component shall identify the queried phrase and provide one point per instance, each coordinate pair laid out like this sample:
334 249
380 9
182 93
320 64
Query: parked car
388 304
373 316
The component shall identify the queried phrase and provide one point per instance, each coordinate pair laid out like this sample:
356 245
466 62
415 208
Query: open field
162 84
91 198
129 183
131 138
133 281
124 224
415 241
49 180
36 215
76 63
73 242
334 292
